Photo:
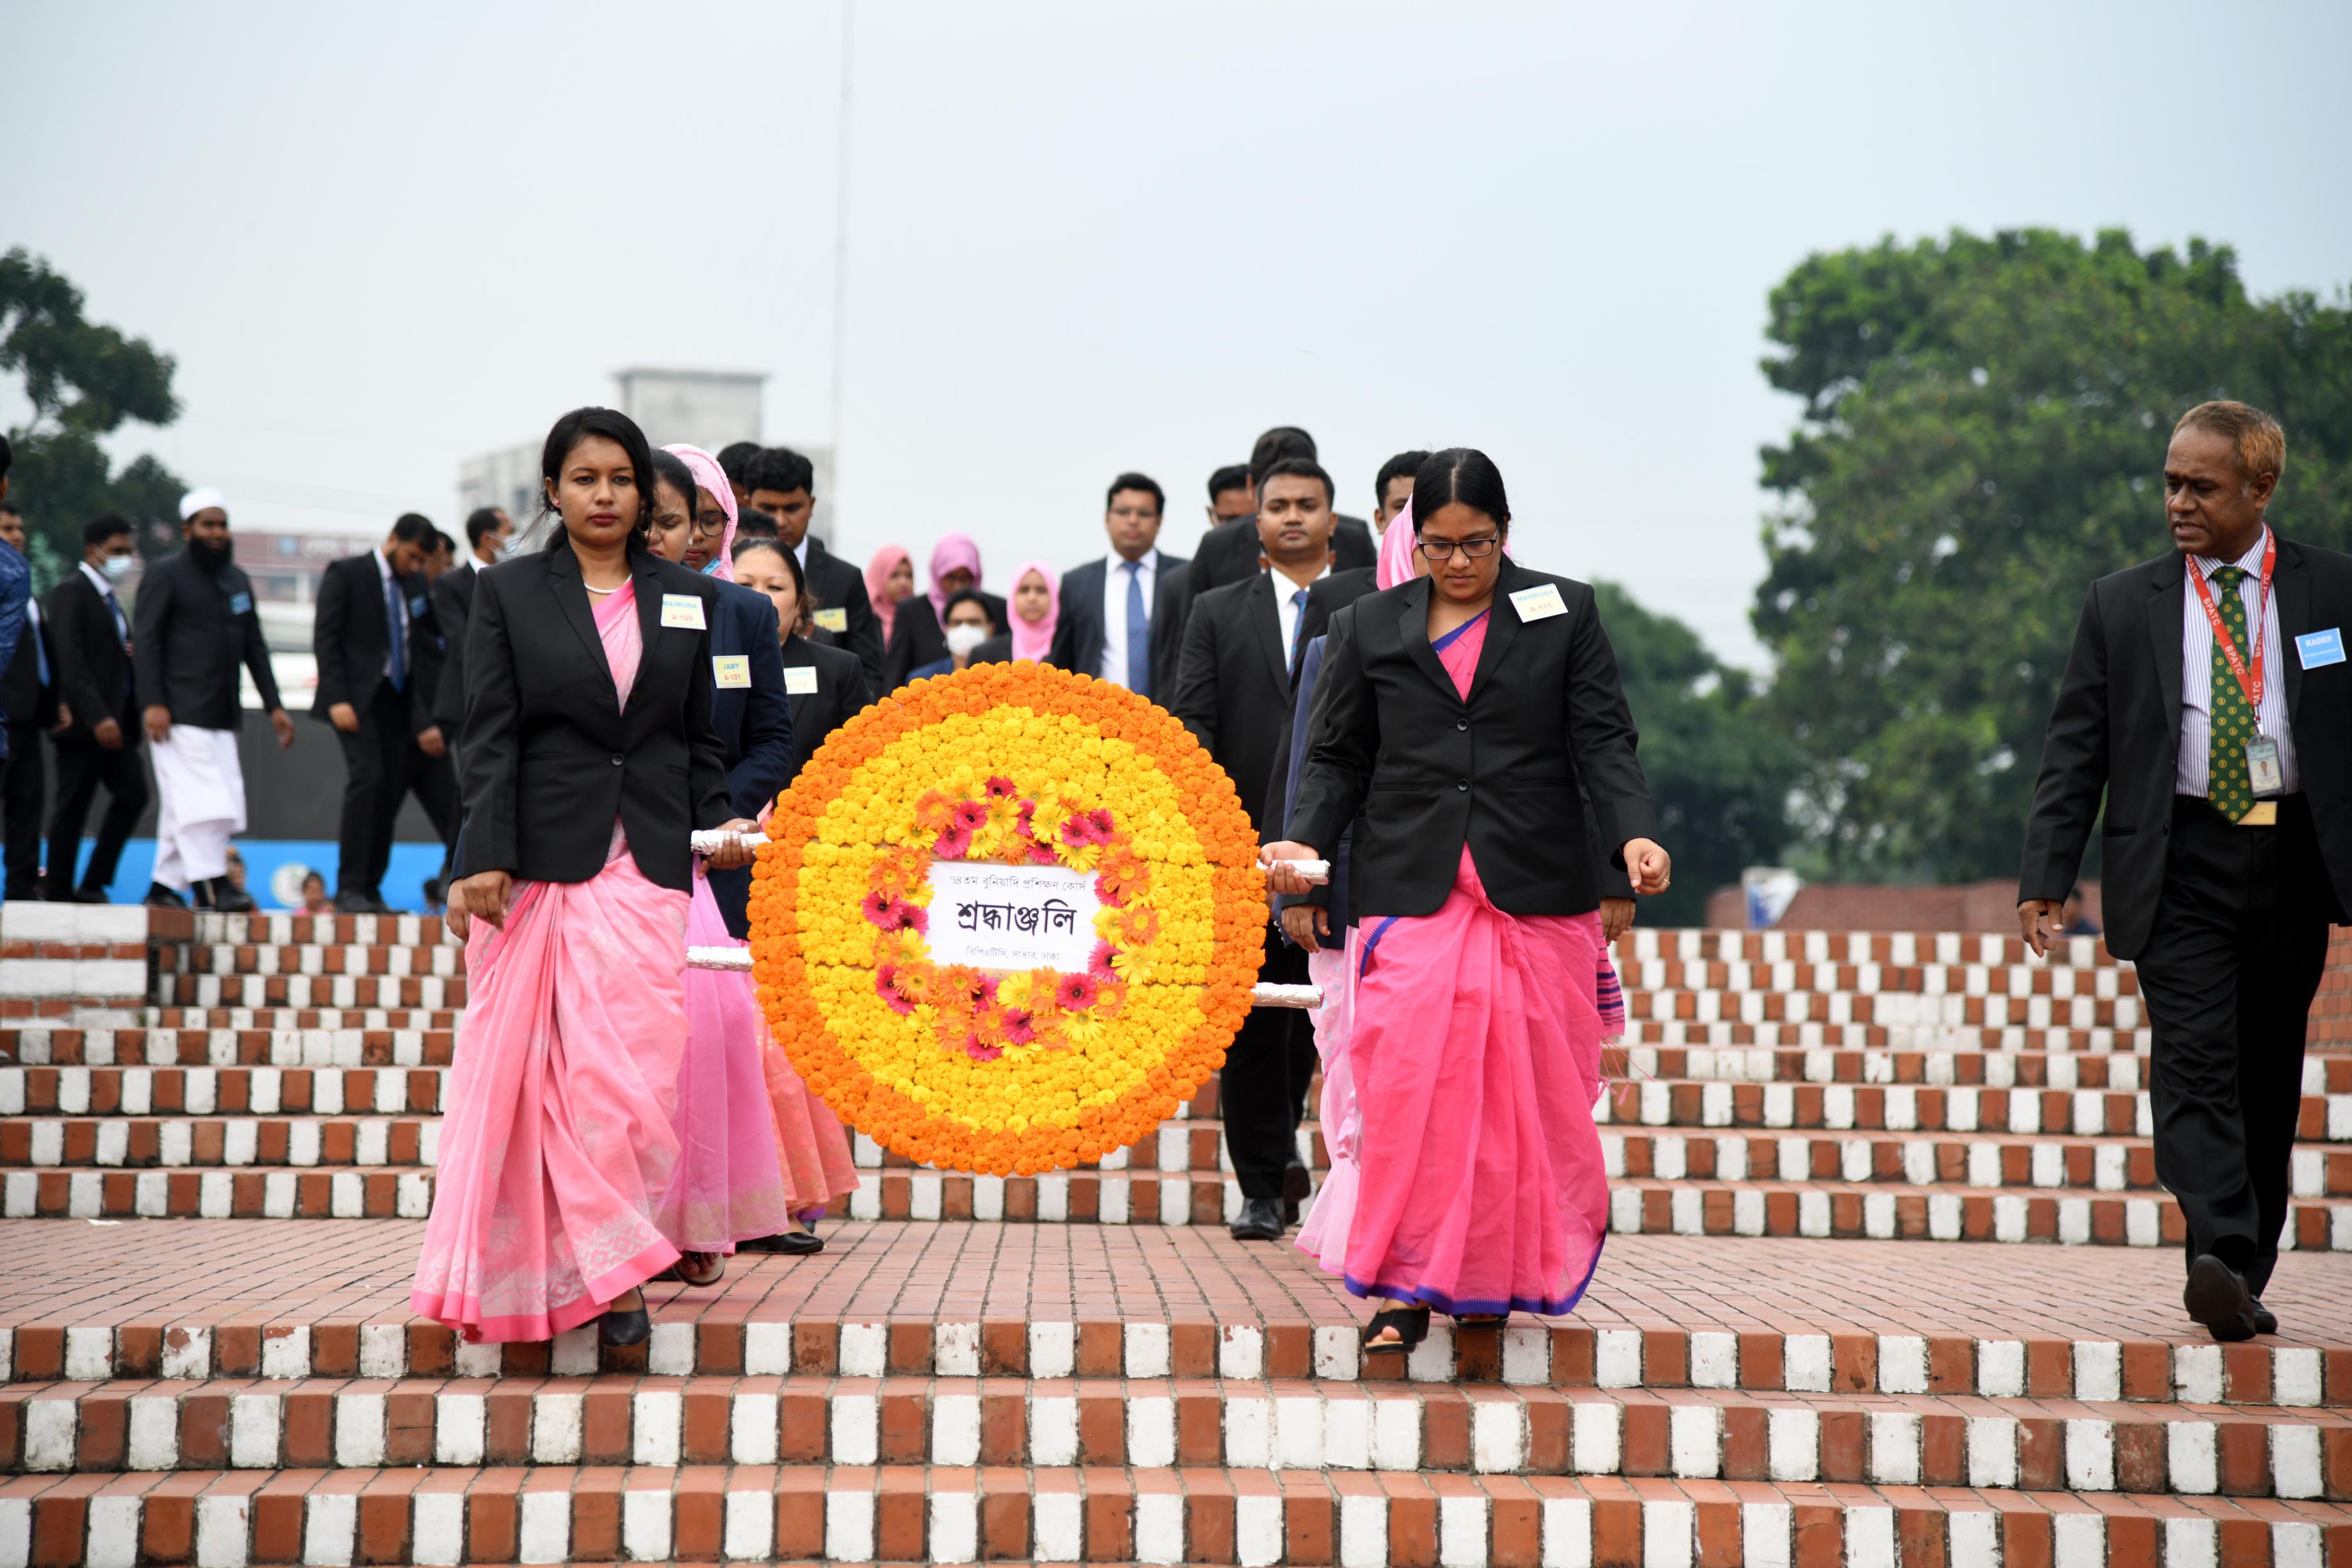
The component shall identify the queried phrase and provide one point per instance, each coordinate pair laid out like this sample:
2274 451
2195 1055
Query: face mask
118 567
963 636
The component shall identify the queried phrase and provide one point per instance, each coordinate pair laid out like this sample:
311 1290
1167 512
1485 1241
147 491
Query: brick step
1691 1435
1686 945
1669 1033
196 1300
227 1045
389 1016
1892 1212
205 1091
426 931
175 1143
1904 1108
939 1514
2323 1073
377 1191
318 960
305 990
1961 1159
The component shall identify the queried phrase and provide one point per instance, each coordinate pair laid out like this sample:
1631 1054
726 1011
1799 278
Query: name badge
682 610
731 671
800 679
238 604
834 620
2263 769
416 606
1539 604
2317 648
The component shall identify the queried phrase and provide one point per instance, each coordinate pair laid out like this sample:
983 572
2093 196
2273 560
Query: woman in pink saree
1465 724
588 761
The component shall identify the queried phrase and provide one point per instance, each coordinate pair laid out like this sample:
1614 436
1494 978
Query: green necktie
2228 787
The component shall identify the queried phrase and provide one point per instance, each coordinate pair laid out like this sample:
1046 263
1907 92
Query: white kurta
201 789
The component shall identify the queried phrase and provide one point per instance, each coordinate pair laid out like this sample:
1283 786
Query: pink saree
728 1187
557 1145
1472 1182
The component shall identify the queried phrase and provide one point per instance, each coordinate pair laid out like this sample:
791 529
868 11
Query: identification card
800 679
2262 767
683 610
2317 648
836 620
239 603
730 671
1539 604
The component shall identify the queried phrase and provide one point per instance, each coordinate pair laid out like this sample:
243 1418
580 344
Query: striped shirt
2192 773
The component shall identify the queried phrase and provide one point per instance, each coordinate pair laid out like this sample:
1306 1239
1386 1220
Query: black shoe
1297 1184
361 901
159 897
1261 1220
2217 1297
2266 1320
791 1243
228 901
621 1329
29 892
87 896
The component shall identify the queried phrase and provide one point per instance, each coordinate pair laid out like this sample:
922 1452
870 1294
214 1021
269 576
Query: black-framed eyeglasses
1476 549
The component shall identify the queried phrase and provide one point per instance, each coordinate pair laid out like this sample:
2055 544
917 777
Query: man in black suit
784 485
1229 553
373 613
1232 691
89 647
1231 497
487 533
28 698
2207 698
1127 624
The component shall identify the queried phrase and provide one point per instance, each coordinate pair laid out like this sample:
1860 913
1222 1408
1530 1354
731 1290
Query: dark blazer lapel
570 594
2169 594
2292 583
649 608
1413 625
1503 625
1259 606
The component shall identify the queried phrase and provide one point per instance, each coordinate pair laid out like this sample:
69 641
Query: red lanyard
2251 684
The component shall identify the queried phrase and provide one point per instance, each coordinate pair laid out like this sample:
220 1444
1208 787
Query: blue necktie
40 653
399 634
1138 632
1298 624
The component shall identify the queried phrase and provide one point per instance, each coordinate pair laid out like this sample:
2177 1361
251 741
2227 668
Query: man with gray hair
193 625
2208 703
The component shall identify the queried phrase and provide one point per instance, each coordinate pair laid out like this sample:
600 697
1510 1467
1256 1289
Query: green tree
1983 434
1721 780
84 380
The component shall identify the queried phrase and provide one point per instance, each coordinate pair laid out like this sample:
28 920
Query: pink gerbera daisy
1077 992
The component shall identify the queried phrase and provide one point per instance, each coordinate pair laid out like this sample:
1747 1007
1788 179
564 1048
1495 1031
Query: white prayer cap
195 500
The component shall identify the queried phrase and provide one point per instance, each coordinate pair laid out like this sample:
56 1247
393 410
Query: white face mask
963 636
118 567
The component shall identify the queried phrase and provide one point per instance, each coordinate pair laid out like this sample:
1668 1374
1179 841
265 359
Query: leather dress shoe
1297 1184
86 896
159 897
631 1328
1261 1220
2217 1297
360 902
227 901
791 1243
2266 1320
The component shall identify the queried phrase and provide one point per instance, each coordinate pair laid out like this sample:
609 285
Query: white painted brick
331 1524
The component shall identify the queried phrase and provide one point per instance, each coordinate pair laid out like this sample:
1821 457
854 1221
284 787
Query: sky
1084 239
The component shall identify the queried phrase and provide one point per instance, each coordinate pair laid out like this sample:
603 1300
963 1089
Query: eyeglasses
1476 549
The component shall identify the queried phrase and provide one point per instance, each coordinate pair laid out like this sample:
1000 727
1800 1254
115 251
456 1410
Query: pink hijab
1397 564
1030 642
877 585
952 551
709 476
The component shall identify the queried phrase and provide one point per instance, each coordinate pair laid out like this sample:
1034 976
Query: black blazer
1419 771
2115 731
1232 690
23 698
841 692
86 662
917 638
1229 551
453 604
1079 635
189 631
550 757
351 636
838 585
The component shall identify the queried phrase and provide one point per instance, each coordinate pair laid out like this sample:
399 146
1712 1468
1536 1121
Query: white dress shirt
1286 611
392 595
2193 774
1115 580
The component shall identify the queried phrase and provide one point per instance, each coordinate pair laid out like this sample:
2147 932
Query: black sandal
621 1329
1412 1324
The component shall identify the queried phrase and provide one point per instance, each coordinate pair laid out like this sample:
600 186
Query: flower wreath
1017 1072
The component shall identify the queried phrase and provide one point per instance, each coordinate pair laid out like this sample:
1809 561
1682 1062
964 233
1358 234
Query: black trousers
1262 1089
21 792
381 763
82 766
2241 937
